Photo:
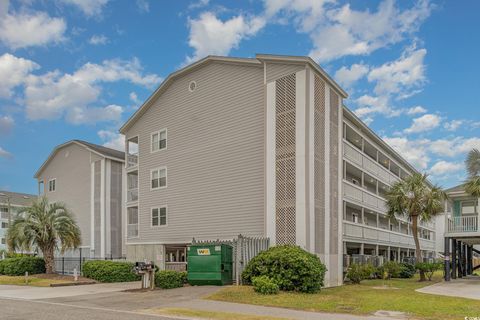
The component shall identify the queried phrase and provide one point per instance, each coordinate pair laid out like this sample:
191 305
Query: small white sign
203 252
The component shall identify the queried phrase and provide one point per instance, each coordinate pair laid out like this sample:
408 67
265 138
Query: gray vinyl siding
275 71
71 169
214 156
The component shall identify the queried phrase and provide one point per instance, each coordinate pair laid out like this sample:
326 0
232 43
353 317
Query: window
41 188
3 241
468 207
158 178
159 216
51 185
159 140
132 222
4 225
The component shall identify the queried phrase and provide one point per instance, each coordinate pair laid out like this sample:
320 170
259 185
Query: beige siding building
88 178
257 147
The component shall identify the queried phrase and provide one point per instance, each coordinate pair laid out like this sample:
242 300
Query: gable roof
16 198
92 147
456 189
258 60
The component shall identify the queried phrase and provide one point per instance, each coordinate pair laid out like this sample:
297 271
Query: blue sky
77 69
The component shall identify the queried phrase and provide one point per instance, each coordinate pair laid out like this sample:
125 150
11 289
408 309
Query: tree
414 198
46 227
472 185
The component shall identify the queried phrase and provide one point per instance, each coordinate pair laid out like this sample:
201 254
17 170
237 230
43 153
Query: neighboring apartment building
259 147
10 204
88 178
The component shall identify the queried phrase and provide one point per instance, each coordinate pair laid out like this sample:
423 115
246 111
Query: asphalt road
46 310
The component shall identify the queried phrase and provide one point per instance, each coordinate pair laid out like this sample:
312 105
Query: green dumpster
209 264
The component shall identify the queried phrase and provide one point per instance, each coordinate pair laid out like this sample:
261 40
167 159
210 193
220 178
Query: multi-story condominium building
260 147
88 178
10 204
462 231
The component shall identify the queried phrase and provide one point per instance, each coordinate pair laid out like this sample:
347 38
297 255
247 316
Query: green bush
407 270
429 268
169 279
265 285
356 272
390 269
109 271
290 267
18 266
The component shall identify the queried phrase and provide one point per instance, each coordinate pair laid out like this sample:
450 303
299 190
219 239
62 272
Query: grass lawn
200 314
366 298
32 281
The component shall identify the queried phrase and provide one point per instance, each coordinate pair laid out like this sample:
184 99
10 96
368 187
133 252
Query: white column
92 208
300 159
108 224
340 190
327 182
102 209
270 163
311 159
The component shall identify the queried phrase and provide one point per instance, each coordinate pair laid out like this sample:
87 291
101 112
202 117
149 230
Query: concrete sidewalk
468 287
37 293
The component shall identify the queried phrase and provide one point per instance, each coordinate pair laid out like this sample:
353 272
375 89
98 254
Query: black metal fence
67 265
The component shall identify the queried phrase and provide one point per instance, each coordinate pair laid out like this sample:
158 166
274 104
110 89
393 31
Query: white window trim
132 224
151 140
54 179
166 178
166 217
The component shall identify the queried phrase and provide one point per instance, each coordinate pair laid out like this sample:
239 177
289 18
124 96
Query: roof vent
192 86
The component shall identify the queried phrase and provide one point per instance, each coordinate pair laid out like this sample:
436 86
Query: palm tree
46 227
472 186
414 198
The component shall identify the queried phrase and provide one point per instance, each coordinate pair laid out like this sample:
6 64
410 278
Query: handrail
462 224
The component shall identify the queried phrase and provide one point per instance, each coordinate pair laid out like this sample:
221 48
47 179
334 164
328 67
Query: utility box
210 264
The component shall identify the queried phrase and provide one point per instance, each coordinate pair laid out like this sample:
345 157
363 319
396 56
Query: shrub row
18 266
390 269
109 271
289 267
169 279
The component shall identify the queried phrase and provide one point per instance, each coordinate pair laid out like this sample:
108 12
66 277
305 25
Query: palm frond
473 163
472 186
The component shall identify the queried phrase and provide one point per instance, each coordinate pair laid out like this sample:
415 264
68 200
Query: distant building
10 204
262 147
88 178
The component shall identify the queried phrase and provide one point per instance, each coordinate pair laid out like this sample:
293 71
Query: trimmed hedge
356 272
265 285
407 271
18 266
169 279
290 267
109 271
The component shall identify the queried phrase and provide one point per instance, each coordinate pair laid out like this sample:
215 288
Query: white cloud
98 39
13 72
402 74
424 123
112 139
198 4
75 96
453 125
143 6
21 30
134 98
6 124
347 76
414 151
212 36
416 110
5 154
442 168
345 31
88 7
368 105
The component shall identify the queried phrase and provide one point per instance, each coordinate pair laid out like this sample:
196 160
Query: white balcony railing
132 195
462 224
132 160
132 230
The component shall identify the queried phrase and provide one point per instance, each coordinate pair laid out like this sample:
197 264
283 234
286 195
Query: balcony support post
464 260
460 259
447 259
454 259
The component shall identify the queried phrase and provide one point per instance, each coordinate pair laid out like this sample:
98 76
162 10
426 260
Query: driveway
468 287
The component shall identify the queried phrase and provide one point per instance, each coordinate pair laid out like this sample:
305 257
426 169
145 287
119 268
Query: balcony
132 195
462 224
131 151
132 160
364 197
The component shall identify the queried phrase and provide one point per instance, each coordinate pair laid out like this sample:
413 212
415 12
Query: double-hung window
158 178
159 216
159 140
51 185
